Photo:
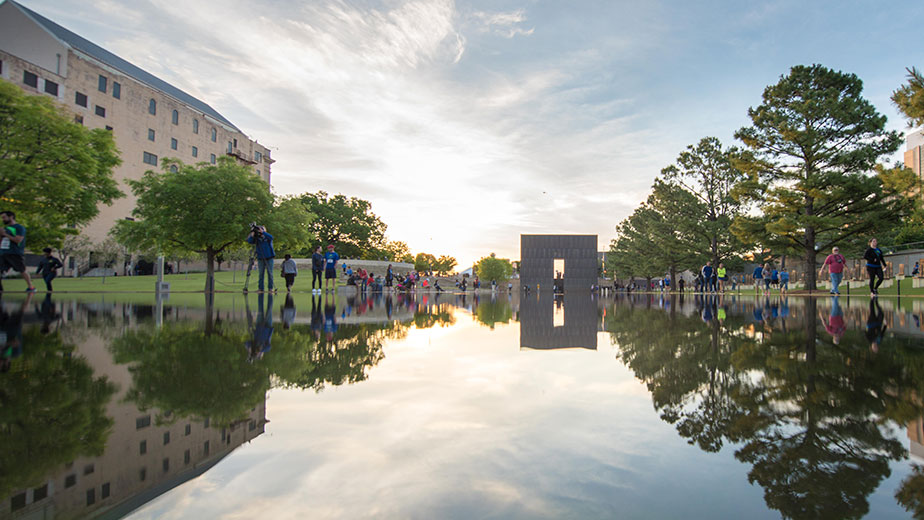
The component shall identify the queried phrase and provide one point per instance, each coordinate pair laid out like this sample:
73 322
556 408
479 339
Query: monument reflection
554 322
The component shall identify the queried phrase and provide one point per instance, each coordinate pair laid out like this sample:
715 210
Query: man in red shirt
835 263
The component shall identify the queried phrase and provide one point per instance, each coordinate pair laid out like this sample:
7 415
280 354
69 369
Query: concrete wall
538 253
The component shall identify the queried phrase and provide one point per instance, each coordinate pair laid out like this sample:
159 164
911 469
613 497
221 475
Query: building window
18 502
80 99
150 134
30 79
205 448
152 107
195 126
151 159
40 493
78 120
258 157
116 90
104 492
51 88
188 429
103 83
173 169
143 447
230 148
100 111
108 128
212 158
88 469
214 135
175 118
167 434
166 465
143 474
70 480
195 151
173 144
91 496
144 422
186 457
206 423
251 426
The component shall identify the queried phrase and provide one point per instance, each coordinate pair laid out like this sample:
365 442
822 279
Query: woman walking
874 264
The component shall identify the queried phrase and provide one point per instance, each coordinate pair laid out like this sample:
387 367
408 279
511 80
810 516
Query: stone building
150 118
914 152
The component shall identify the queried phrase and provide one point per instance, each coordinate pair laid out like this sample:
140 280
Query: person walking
317 267
13 249
835 263
289 272
765 274
330 268
48 268
389 277
758 277
784 281
874 264
265 255
722 274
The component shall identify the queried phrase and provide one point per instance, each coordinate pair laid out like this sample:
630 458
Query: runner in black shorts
13 248
330 268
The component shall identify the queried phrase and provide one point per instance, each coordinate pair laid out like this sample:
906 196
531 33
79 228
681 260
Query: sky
468 123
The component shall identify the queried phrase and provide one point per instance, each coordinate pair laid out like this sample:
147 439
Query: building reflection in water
548 322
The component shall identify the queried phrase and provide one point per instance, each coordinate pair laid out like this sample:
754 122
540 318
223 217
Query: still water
460 407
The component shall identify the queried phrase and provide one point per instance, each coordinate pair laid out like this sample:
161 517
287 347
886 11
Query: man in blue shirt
758 277
265 255
330 268
707 277
13 248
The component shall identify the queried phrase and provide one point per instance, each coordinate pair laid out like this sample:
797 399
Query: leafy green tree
445 264
677 229
492 268
55 171
424 262
52 411
909 98
813 142
638 250
206 209
348 223
706 172
74 246
108 254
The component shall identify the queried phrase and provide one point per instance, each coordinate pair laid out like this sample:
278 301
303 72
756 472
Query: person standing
389 277
765 274
758 277
707 277
317 267
874 264
265 255
289 272
722 273
330 268
48 268
13 248
784 281
835 263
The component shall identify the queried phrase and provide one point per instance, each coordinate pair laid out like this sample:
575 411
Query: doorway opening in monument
559 266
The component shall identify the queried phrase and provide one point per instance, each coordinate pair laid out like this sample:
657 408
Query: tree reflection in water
52 410
809 415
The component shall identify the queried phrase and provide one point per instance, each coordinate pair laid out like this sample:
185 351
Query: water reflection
805 398
553 323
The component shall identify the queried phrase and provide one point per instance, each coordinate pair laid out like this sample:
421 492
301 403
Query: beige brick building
150 118
914 152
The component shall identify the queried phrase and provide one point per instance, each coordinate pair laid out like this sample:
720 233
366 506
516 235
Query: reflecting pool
460 406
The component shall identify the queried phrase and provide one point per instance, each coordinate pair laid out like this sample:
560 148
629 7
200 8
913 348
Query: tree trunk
210 271
673 277
809 247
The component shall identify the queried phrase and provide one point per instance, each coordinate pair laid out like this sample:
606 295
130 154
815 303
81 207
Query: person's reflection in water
263 330
330 318
11 334
875 325
388 305
47 313
835 324
288 311
317 317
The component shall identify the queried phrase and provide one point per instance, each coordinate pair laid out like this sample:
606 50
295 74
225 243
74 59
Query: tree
395 251
812 142
493 268
347 222
206 208
76 246
55 171
706 172
445 264
424 262
107 253
909 98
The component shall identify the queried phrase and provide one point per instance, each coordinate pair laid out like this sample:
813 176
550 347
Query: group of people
875 267
768 278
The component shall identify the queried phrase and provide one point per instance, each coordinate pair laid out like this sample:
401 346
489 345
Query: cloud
505 24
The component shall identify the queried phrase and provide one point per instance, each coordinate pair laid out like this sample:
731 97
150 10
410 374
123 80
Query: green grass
225 281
